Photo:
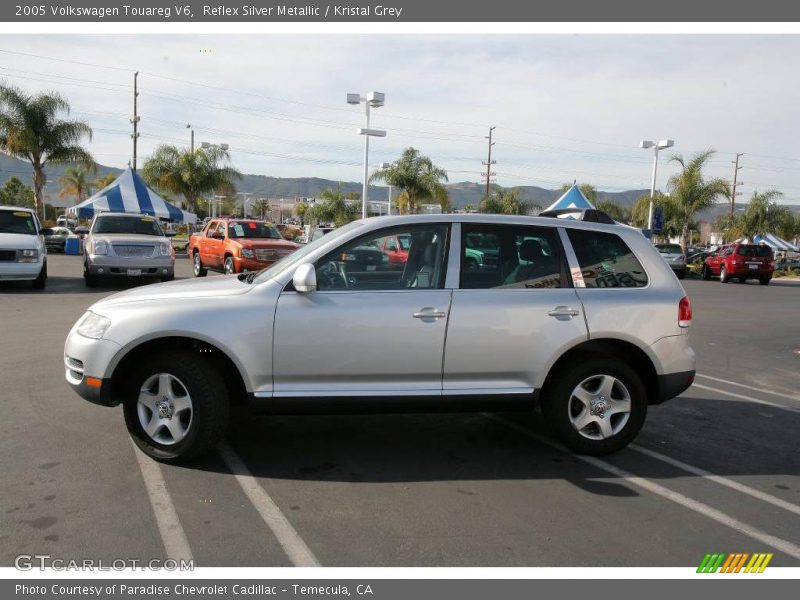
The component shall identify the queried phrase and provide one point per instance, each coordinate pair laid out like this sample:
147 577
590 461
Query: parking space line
293 545
729 483
749 387
169 525
700 508
748 398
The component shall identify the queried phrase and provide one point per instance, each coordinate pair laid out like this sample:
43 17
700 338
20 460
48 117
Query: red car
237 245
396 247
742 262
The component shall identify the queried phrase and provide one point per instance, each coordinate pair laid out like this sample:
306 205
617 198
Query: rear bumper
673 384
747 272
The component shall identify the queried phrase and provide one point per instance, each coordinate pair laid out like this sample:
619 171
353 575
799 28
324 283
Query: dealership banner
388 589
392 11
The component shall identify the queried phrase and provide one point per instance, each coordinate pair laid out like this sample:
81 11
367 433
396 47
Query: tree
100 182
762 215
334 208
73 183
690 192
506 202
417 177
641 210
614 210
301 209
16 193
30 129
191 174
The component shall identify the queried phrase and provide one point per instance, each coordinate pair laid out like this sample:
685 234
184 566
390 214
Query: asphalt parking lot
715 470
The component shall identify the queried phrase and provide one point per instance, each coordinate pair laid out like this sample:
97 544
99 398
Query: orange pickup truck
236 246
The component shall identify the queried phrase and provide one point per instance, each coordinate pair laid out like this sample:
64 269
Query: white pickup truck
23 256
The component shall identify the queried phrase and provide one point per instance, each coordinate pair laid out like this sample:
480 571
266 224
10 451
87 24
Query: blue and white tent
572 198
774 242
129 193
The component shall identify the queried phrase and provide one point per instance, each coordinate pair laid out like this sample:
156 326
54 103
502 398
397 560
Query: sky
565 107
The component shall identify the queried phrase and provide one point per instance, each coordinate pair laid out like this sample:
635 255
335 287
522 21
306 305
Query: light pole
191 146
656 146
383 167
374 100
244 196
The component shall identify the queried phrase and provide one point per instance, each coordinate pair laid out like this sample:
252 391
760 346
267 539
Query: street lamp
656 146
189 126
374 100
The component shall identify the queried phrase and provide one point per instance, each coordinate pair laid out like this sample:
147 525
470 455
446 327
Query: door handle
564 311
429 313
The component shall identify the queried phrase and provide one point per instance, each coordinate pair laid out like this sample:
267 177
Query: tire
41 279
198 270
723 275
229 266
706 273
166 278
765 280
681 274
742 279
192 395
564 411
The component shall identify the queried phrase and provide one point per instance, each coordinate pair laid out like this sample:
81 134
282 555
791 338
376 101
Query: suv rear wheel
596 407
764 280
176 406
723 275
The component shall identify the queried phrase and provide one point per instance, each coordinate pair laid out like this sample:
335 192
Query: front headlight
93 325
247 253
28 256
99 247
164 248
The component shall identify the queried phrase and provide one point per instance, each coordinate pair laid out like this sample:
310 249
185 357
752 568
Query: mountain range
261 186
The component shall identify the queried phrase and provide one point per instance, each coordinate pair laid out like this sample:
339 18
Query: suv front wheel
176 406
596 407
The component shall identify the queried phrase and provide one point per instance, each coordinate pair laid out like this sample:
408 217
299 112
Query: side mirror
305 278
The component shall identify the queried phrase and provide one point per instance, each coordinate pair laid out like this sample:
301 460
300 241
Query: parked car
676 259
607 338
698 257
65 221
55 238
787 263
395 248
126 245
23 255
236 246
742 262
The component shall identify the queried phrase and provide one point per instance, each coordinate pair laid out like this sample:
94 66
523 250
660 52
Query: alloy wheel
599 407
164 408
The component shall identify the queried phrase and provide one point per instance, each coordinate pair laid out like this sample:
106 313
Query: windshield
253 229
17 221
139 225
669 249
762 251
298 255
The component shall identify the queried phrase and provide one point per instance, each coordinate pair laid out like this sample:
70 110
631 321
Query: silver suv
127 245
582 320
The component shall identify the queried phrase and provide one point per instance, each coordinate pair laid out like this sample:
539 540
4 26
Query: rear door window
605 260
510 256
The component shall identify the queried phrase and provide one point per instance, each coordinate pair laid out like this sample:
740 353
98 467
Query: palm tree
30 129
613 210
100 182
690 192
762 215
73 183
191 174
418 177
334 208
507 202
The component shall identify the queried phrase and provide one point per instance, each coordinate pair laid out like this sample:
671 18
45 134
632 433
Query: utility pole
489 162
736 183
191 146
135 119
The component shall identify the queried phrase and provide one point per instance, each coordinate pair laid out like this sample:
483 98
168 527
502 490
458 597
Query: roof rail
591 215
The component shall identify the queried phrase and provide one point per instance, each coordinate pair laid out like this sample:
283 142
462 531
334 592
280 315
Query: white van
23 256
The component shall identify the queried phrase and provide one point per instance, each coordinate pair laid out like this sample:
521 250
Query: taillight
684 312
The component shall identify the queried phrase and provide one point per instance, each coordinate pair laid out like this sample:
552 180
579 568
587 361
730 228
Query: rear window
606 261
753 250
135 225
17 221
669 249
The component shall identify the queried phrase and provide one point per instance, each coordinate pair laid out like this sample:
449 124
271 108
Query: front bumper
115 266
86 363
250 264
16 271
